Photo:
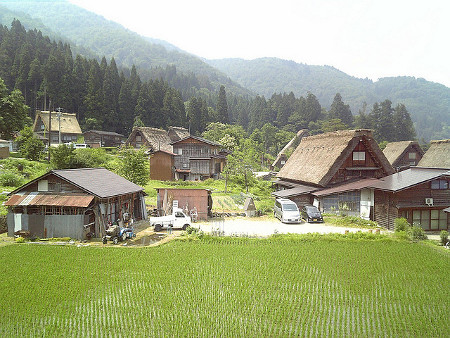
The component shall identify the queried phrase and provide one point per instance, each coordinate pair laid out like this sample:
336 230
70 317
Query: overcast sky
363 38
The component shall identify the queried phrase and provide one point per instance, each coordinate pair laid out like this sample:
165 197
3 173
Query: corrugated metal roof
34 199
99 181
356 185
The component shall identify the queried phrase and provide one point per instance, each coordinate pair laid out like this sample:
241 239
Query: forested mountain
106 38
428 102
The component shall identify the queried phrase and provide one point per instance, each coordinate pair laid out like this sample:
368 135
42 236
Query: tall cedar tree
340 110
222 106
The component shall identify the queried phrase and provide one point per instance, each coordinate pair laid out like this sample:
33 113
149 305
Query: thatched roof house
156 139
281 159
335 157
437 156
152 138
65 123
403 153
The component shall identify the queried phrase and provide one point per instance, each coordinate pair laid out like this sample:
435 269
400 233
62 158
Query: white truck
177 220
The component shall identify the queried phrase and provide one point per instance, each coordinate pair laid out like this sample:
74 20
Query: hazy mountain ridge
91 34
110 39
428 102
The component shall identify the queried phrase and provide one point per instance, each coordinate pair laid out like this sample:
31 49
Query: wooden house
282 156
99 138
76 203
437 156
197 158
421 195
64 127
404 154
328 161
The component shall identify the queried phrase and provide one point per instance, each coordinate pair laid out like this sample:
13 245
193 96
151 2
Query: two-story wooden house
197 158
63 127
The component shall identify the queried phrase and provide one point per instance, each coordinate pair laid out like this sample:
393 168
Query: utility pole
49 129
59 113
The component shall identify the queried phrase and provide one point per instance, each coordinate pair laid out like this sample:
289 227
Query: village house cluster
346 172
338 172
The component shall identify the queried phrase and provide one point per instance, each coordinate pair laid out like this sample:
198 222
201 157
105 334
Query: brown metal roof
81 201
356 185
298 190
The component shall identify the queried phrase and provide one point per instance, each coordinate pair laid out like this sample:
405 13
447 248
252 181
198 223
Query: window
439 184
430 219
359 156
412 156
138 138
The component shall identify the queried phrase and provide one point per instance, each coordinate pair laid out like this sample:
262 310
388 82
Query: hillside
106 38
428 102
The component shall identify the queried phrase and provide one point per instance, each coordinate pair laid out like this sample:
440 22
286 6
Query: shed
76 203
198 200
249 207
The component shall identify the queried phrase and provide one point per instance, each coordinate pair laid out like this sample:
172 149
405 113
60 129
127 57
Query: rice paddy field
280 286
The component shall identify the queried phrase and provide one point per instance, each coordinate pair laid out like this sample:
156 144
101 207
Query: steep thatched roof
155 139
69 122
437 156
178 133
317 158
394 151
300 134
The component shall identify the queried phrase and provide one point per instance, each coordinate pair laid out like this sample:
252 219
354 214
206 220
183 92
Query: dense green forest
105 96
93 36
428 102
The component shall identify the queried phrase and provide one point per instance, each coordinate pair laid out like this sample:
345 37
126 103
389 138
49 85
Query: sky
363 38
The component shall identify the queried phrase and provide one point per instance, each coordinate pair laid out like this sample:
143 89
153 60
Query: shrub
11 179
417 233
401 224
444 237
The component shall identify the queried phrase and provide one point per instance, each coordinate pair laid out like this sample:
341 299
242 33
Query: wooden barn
404 154
76 203
437 156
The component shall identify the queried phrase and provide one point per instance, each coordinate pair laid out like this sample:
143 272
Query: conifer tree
222 106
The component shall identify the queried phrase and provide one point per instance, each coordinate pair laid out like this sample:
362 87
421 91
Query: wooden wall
161 166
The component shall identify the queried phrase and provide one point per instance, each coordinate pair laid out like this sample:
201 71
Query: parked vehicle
177 220
286 211
311 214
117 234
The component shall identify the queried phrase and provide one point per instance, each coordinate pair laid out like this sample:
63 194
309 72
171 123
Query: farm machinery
117 233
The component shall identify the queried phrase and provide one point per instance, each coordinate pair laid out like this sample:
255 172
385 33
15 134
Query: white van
286 211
